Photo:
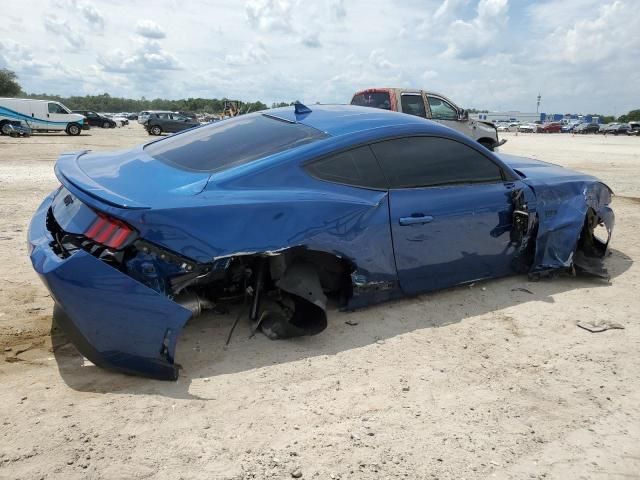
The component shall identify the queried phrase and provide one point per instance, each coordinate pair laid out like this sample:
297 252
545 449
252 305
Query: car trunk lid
131 179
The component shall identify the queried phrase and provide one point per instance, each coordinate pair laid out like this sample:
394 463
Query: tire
105 124
487 145
4 128
74 129
155 130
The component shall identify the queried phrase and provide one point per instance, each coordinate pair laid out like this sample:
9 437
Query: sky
580 55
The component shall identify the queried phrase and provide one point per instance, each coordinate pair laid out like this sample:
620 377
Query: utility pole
538 104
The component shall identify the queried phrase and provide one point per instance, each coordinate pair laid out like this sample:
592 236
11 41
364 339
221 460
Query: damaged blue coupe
285 208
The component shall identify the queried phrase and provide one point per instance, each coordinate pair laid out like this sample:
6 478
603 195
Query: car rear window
232 142
373 99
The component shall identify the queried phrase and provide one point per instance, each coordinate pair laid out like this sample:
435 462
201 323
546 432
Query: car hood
537 170
128 179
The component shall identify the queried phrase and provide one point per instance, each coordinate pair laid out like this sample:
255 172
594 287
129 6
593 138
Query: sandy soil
468 383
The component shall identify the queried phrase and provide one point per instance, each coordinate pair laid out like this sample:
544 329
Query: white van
39 115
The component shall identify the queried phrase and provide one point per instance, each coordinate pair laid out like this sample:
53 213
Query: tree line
9 87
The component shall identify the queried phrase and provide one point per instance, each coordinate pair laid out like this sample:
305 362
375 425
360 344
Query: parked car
132 116
587 128
527 127
120 119
39 116
569 126
634 128
432 106
96 120
616 129
160 122
142 117
358 204
551 127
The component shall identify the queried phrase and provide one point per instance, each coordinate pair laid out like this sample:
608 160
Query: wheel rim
74 130
5 129
155 130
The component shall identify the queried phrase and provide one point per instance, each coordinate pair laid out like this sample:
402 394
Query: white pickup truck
429 105
39 115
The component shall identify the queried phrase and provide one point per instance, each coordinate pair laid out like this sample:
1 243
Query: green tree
9 87
632 116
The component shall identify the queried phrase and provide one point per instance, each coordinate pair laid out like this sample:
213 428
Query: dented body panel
270 233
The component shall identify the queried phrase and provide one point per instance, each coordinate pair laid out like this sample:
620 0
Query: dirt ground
468 383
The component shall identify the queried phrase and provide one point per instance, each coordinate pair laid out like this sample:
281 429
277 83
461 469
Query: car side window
413 104
441 110
162 116
433 161
357 167
55 108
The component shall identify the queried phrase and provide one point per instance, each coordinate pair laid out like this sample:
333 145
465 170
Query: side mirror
463 114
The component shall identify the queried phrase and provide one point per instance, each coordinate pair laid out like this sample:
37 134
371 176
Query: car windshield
232 142
372 99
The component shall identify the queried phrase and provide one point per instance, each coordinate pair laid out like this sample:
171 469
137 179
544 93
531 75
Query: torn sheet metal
562 200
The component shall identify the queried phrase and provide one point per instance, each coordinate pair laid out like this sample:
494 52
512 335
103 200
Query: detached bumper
113 320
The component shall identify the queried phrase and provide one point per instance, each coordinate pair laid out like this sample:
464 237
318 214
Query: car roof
337 120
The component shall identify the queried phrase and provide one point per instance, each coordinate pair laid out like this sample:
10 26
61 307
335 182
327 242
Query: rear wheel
74 129
488 144
155 130
105 124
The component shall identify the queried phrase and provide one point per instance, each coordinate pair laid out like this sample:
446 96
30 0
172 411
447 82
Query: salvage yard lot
489 380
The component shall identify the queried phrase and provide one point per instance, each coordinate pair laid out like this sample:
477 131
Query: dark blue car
281 209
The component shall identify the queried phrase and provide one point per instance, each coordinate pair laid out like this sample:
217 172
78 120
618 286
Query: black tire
4 128
112 125
106 124
487 145
155 130
73 129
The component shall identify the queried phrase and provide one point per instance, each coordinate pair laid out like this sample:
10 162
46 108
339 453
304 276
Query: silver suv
432 106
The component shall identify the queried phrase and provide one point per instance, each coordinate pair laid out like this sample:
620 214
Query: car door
450 211
445 113
57 115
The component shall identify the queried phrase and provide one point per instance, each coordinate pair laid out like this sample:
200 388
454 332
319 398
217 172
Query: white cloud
150 29
251 55
311 40
148 55
92 15
378 59
469 39
484 53
63 28
270 15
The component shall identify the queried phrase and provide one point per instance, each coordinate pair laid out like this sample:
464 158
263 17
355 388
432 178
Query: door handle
415 220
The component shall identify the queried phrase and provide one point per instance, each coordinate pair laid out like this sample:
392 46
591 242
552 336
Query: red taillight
109 231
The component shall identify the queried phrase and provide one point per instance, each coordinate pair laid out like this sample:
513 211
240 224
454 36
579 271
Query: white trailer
39 115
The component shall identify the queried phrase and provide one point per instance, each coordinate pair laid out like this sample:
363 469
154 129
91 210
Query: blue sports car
284 208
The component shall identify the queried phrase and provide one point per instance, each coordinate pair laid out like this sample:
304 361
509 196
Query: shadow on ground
202 353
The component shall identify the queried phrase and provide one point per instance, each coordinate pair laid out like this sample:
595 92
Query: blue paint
410 240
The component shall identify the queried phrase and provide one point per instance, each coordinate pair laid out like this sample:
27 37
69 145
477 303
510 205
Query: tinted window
430 161
413 105
355 167
441 110
232 142
162 116
375 99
